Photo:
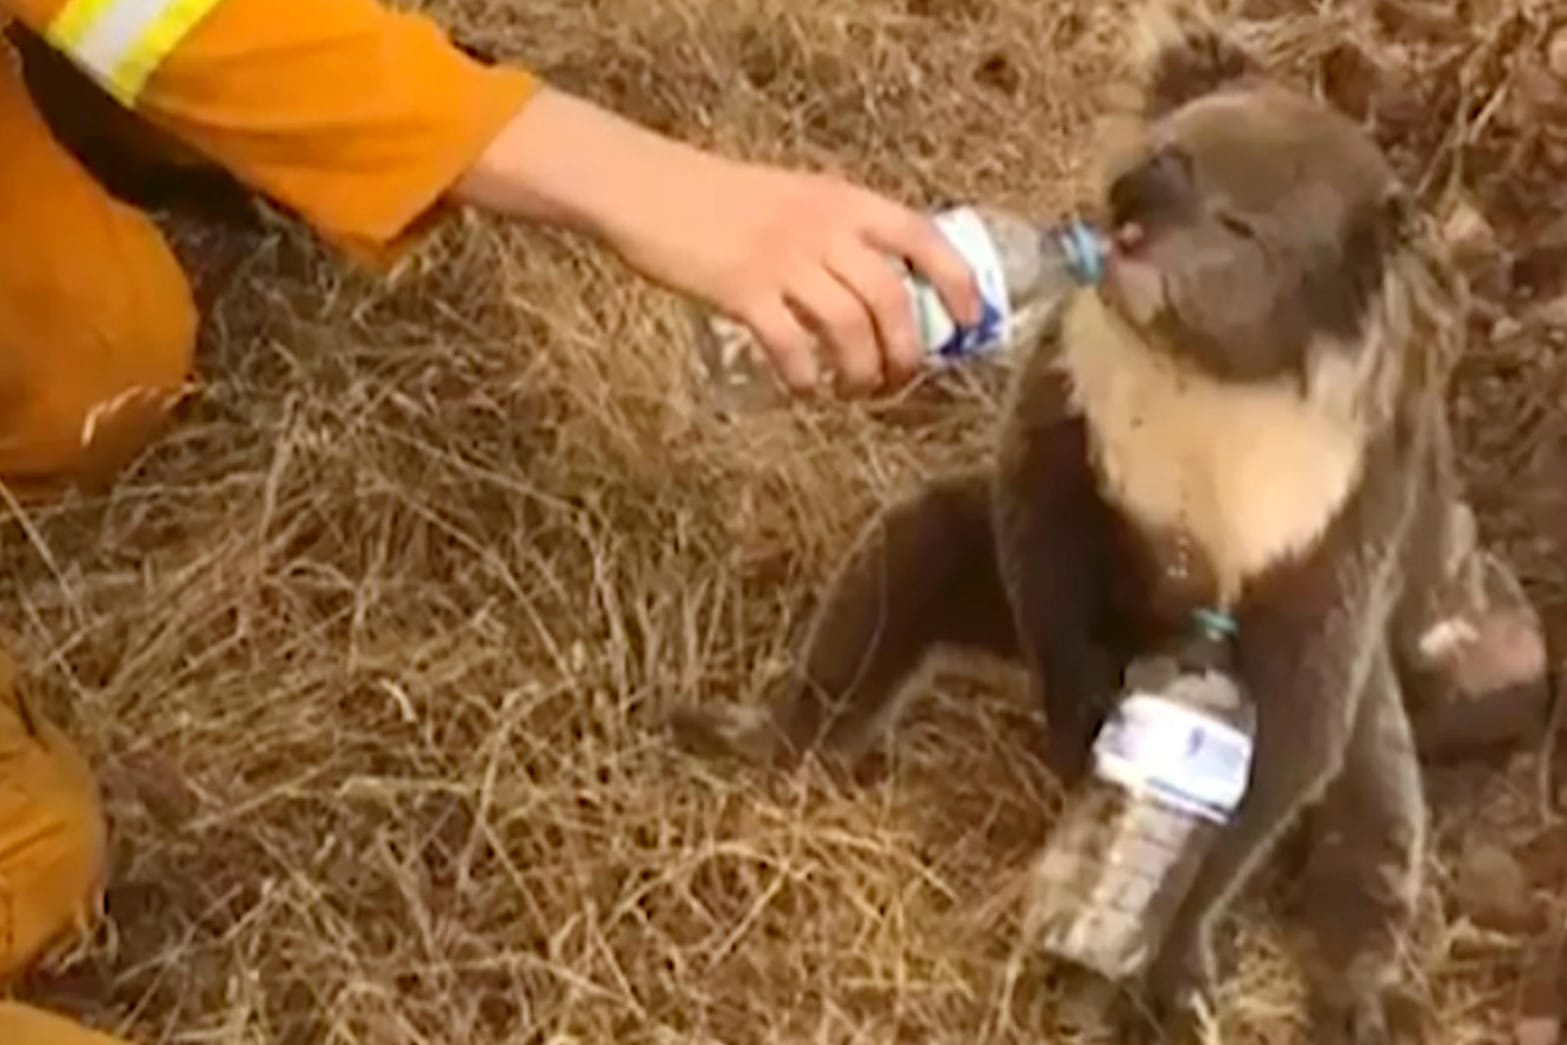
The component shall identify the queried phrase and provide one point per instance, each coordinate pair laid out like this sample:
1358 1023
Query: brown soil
372 650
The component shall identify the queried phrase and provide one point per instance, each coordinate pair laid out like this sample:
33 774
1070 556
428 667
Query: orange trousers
97 324
20 1025
52 858
88 366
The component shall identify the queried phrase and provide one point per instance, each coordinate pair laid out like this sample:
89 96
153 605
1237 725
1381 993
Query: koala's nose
1160 186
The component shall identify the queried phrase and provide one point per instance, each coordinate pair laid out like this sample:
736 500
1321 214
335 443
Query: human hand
801 259
806 261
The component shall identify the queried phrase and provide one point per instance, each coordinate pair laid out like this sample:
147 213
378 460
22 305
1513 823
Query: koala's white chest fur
1251 475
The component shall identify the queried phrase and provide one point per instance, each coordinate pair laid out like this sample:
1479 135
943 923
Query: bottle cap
1215 623
1084 252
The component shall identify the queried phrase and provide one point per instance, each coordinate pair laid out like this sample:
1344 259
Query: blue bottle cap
1085 259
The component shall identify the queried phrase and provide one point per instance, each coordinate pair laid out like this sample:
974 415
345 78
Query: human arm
367 122
787 253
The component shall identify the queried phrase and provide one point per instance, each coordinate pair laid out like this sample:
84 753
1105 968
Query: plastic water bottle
1169 769
1022 271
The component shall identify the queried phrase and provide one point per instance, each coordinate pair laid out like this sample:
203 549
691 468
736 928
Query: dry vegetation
372 651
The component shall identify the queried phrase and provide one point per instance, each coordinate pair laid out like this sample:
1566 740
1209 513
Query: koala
1246 415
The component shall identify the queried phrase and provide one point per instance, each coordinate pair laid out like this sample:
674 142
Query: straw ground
371 652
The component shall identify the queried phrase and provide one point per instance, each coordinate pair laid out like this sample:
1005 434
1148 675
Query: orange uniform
356 117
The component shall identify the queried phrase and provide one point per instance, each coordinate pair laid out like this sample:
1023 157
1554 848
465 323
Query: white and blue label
943 337
1186 759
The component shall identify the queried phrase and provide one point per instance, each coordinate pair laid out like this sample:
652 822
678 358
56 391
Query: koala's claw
724 731
1179 1007
1188 1021
1375 1015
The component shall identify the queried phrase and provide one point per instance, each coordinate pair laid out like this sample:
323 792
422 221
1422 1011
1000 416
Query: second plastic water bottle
1169 769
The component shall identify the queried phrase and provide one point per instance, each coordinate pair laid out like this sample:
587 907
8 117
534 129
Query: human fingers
872 278
914 236
786 341
844 323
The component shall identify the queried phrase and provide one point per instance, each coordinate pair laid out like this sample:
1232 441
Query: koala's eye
1172 162
1236 225
1170 177
1160 186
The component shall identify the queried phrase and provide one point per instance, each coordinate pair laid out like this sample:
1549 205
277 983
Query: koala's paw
1369 1012
1178 1006
727 731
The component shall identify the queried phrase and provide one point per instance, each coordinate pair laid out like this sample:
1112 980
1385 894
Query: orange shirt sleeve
355 116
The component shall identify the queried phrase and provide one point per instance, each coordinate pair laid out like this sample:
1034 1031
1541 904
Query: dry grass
372 651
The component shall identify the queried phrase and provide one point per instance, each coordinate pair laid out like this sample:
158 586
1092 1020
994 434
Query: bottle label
964 229
1183 757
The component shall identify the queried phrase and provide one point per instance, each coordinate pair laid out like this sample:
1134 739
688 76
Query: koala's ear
1380 227
1183 54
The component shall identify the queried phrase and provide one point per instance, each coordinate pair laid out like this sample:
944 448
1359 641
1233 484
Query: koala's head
1251 224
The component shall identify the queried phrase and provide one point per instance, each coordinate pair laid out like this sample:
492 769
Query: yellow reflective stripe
154 45
73 21
121 43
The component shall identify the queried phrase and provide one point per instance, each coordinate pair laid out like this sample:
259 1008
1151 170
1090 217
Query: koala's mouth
1134 282
1129 237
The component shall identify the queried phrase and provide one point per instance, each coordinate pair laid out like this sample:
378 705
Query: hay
372 650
